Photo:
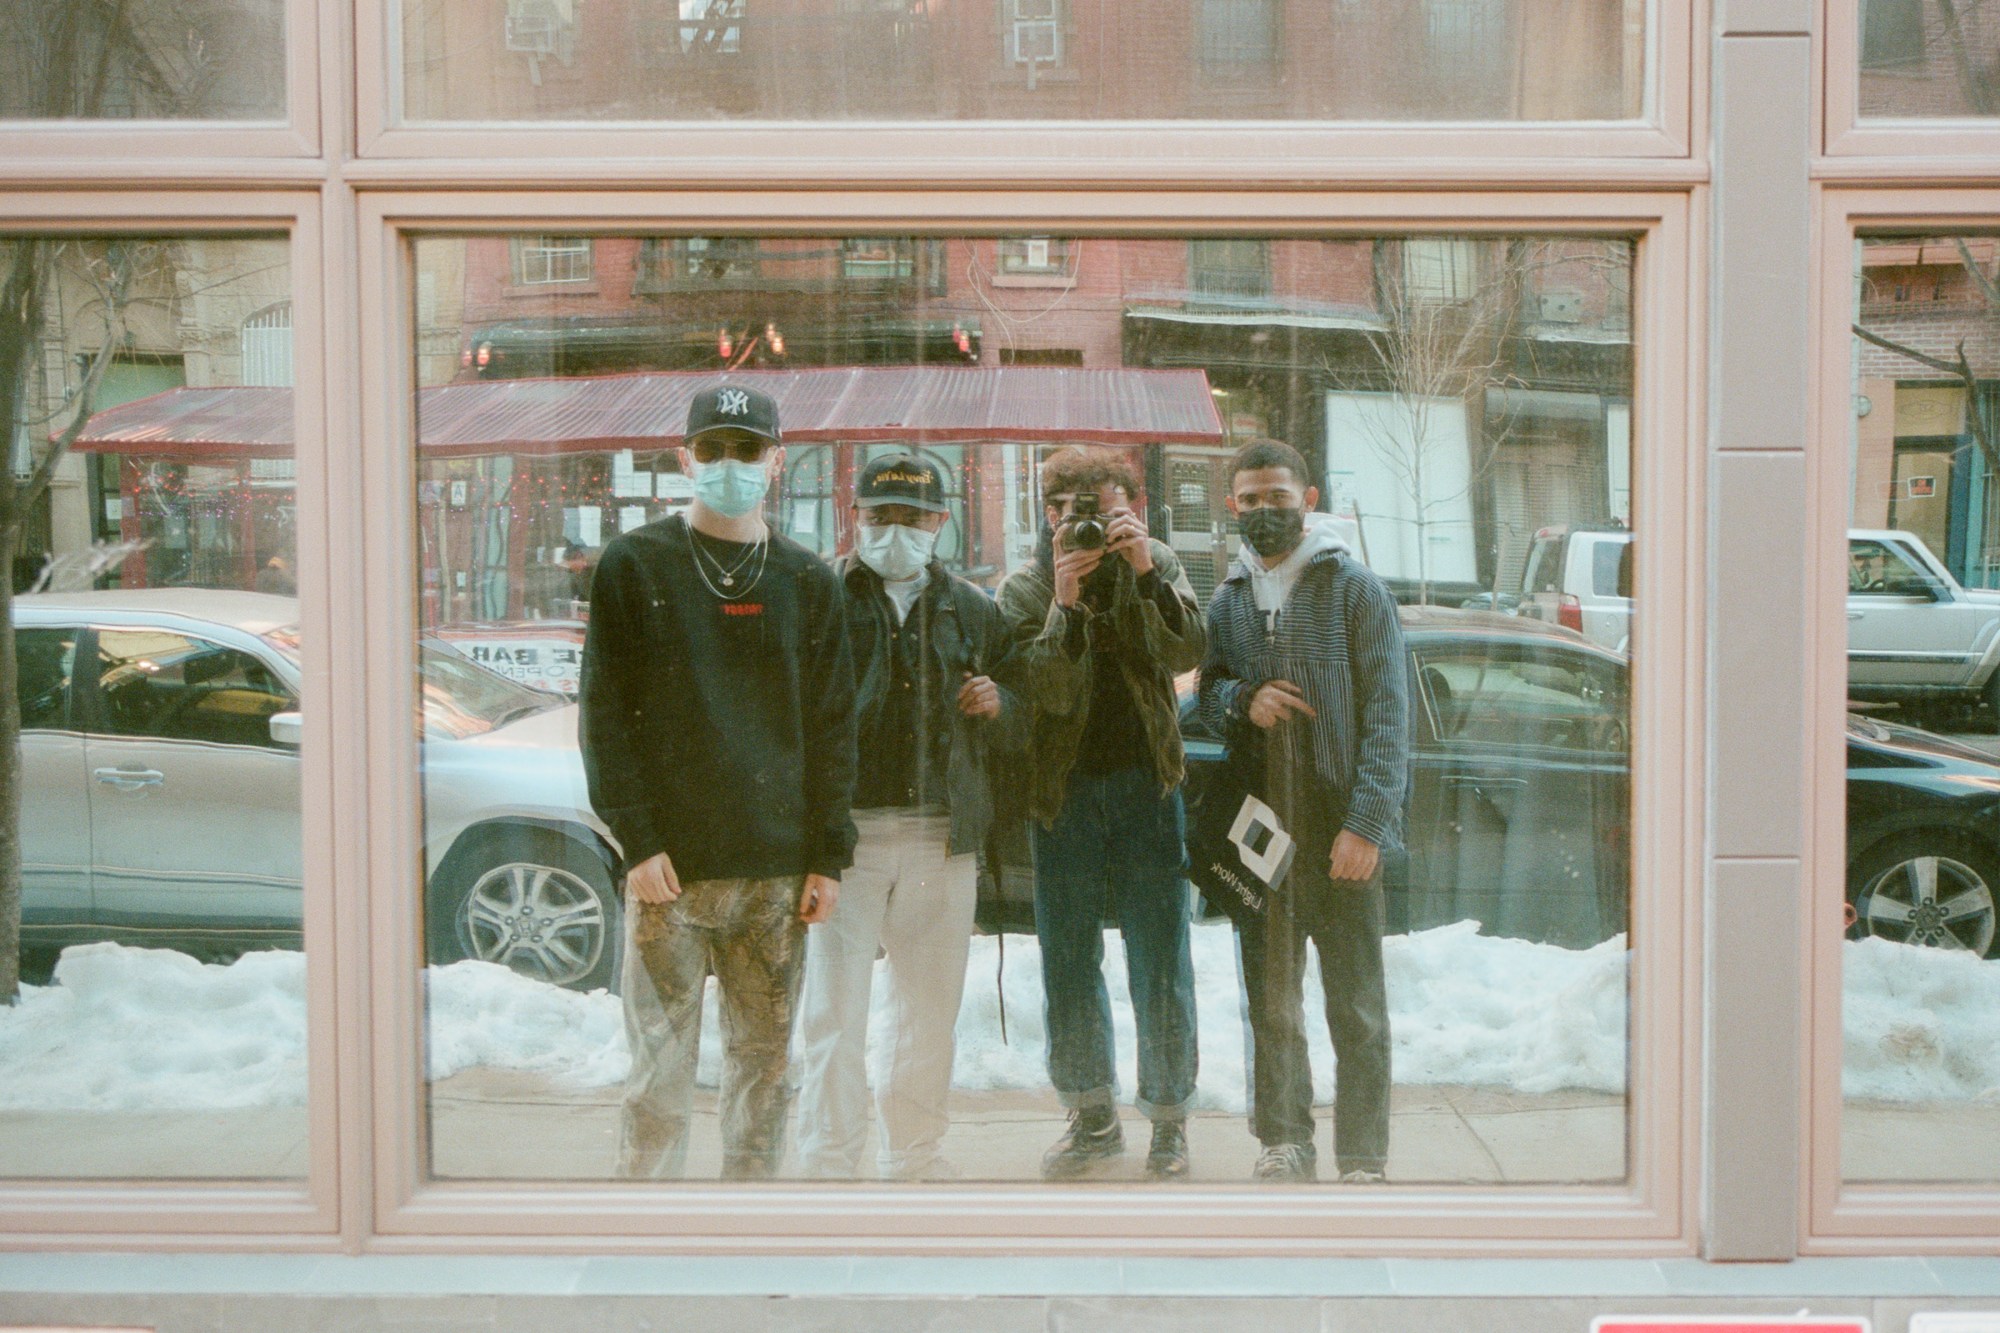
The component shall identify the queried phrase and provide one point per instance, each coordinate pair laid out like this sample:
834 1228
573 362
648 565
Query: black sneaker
1287 1163
1168 1157
1093 1136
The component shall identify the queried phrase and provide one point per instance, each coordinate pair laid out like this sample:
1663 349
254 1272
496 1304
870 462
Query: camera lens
1085 534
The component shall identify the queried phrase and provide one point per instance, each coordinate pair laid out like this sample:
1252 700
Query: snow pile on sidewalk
1919 1024
154 1030
149 1029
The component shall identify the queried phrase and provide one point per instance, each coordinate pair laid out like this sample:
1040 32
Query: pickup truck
1914 634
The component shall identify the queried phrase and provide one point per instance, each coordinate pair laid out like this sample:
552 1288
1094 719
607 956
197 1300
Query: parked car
1914 634
1519 813
162 792
1581 579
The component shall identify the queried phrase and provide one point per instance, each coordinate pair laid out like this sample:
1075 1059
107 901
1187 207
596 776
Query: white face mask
896 551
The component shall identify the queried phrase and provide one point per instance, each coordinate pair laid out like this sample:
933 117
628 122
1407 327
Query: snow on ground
150 1029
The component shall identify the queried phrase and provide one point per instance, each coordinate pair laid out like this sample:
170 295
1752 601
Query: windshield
461 698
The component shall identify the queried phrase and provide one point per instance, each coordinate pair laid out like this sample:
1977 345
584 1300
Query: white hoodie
1271 587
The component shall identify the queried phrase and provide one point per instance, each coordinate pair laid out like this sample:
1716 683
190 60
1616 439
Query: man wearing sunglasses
926 644
718 741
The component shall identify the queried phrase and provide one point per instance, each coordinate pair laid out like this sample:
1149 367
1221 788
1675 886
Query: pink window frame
973 153
1653 1213
279 1214
1885 149
1841 1217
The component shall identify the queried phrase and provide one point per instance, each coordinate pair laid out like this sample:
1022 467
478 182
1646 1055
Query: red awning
913 404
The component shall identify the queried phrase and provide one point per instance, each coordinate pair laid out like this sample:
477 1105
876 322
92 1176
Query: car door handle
1856 615
130 779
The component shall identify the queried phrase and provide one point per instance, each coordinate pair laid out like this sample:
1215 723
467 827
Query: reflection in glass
1923 767
209 60
1463 407
160 1028
956 60
1929 58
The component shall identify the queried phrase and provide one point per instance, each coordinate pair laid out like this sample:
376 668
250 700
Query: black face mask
1272 532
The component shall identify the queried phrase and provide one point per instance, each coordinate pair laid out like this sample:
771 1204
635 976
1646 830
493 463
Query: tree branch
86 395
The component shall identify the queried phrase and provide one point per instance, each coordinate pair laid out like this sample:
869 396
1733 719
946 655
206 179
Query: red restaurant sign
1727 1323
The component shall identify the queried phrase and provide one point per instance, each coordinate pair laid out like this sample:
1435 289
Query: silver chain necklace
760 552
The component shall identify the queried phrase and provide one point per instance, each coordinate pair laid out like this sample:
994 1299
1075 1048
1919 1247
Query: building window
1440 269
1230 268
712 27
267 346
540 261
1236 38
1892 33
537 28
1034 32
877 257
1034 255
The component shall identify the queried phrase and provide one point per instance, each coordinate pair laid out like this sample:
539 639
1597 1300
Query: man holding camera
1305 661
925 644
1103 620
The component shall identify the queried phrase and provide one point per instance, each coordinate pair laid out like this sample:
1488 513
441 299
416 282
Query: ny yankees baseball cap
900 479
736 406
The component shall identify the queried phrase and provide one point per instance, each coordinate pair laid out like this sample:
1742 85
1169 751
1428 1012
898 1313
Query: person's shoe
1363 1178
1287 1163
1168 1157
1093 1137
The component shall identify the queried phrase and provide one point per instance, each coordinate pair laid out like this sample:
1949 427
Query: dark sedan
1520 811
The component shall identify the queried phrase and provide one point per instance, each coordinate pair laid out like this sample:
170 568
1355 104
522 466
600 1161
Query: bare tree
1958 367
69 59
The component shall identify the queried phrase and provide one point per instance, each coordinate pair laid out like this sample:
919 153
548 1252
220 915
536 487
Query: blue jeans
1117 848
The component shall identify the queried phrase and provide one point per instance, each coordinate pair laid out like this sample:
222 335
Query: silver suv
159 740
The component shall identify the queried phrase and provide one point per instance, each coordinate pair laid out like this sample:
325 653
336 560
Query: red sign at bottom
1727 1323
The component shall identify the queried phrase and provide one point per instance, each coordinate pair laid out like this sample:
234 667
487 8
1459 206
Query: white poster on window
584 525
1618 459
1402 463
627 482
630 517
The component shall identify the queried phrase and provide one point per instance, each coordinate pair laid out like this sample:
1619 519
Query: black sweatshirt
719 732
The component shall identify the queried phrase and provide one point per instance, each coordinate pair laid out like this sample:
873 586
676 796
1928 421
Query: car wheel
532 900
1933 889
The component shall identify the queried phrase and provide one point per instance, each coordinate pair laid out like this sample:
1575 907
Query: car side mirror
288 728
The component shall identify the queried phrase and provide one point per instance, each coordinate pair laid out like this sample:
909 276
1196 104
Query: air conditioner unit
532 33
1037 42
1561 307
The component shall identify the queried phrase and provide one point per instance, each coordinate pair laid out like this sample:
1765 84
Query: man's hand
978 697
1354 859
653 880
1072 567
1126 535
816 903
1278 701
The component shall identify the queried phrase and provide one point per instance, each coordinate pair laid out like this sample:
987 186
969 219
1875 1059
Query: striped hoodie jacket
1338 639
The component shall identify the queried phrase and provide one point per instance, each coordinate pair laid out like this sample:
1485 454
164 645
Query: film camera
1083 530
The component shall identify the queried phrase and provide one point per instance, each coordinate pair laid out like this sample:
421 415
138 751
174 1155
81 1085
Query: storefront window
211 60
1045 60
160 1029
1923 768
1929 59
1463 431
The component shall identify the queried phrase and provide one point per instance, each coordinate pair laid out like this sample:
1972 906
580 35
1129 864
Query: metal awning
857 404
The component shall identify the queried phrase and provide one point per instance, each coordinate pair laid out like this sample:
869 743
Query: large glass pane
1920 979
159 1029
1929 58
955 60
157 60
1455 413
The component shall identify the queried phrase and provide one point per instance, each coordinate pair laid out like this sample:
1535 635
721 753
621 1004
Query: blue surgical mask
730 488
896 551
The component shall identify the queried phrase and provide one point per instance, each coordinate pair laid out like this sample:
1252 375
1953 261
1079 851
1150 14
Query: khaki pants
747 934
907 896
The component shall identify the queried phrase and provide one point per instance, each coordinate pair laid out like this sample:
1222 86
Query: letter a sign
1727 1323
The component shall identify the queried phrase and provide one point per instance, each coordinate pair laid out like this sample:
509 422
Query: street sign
1727 1323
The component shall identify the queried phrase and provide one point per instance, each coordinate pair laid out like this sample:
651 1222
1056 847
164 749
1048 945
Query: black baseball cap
901 479
735 406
